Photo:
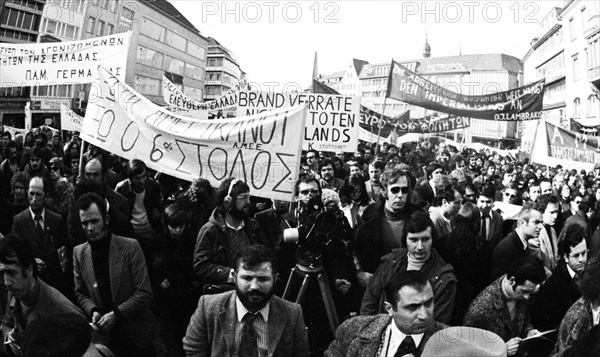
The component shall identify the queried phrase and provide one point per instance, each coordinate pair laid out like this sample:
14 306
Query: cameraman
331 251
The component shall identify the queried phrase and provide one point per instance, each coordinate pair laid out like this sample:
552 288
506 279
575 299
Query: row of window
101 30
152 86
60 29
152 58
18 35
32 4
20 19
73 5
592 107
584 16
161 34
62 90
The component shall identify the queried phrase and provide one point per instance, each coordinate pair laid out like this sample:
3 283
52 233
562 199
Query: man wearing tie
46 232
402 331
491 221
250 321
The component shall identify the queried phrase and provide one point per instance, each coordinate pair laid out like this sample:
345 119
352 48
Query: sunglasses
509 195
306 192
54 169
396 189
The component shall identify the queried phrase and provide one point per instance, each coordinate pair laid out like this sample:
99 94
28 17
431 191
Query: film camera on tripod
319 234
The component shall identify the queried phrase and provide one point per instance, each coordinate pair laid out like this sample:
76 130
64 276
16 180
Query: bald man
46 232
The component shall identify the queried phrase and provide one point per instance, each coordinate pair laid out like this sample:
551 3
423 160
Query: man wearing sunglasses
383 224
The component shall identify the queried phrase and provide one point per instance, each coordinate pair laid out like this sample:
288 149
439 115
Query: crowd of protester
475 239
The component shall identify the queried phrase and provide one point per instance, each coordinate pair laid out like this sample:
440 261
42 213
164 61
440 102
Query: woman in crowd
565 198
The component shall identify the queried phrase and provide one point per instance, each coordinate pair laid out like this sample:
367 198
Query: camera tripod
306 272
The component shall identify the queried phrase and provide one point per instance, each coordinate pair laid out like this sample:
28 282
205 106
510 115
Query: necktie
249 342
484 226
38 226
406 347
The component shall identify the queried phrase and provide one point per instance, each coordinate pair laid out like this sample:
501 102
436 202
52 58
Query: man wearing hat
403 330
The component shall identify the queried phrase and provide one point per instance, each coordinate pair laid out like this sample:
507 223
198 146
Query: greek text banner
263 150
62 62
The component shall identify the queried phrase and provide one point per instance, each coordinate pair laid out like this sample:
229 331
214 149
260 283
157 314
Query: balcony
594 76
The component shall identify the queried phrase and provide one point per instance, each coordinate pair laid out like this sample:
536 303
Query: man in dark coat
46 232
516 244
560 291
229 230
383 224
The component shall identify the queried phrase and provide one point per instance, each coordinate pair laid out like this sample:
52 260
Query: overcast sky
275 41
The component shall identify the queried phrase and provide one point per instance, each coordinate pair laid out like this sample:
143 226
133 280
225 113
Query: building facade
163 41
19 23
467 74
222 71
567 55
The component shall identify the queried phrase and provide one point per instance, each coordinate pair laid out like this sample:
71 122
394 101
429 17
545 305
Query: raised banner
263 149
567 145
69 120
36 64
332 122
523 103
431 124
173 96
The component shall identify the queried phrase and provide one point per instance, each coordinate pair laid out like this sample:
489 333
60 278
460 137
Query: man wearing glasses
229 231
383 224
312 159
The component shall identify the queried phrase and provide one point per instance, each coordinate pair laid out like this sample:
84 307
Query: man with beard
328 179
249 321
228 231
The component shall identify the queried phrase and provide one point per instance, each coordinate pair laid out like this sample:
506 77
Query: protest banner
263 150
36 64
69 120
431 124
567 145
173 96
331 123
523 103
585 129
370 120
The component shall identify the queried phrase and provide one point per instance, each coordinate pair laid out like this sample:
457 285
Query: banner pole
80 173
380 121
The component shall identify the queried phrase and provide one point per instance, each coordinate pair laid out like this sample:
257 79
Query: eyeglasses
306 192
54 169
243 196
310 157
396 189
509 195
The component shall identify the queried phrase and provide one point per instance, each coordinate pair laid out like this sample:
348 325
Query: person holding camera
229 230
